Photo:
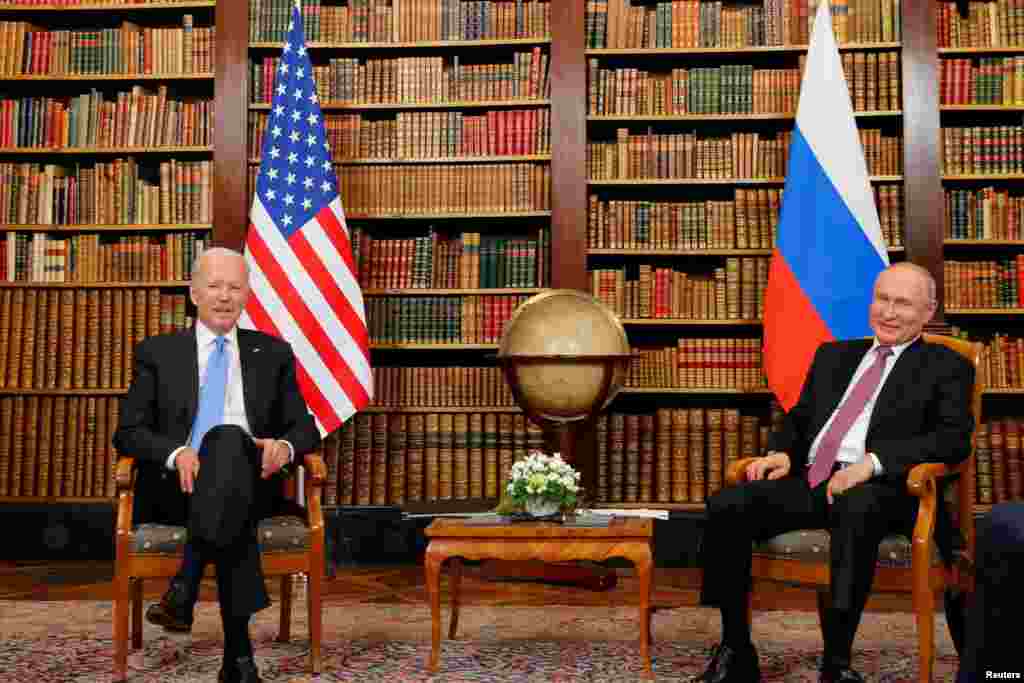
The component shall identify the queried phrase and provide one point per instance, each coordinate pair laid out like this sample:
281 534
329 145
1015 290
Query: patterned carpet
44 642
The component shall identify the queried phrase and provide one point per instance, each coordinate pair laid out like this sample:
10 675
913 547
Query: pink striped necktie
853 406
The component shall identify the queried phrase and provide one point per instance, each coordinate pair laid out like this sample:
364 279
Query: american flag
304 288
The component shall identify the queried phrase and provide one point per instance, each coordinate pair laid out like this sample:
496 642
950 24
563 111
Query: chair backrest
966 483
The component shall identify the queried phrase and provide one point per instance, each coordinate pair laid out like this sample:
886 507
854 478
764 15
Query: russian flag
830 246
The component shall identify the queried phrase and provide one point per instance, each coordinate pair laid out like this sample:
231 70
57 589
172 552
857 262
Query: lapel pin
255 349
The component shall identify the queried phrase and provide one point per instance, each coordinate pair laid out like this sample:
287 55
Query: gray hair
215 251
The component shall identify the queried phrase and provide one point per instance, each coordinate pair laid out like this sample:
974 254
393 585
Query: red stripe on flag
793 331
315 399
338 235
335 298
306 321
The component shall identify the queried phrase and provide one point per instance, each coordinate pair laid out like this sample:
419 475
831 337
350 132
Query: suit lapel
901 377
846 364
190 351
249 358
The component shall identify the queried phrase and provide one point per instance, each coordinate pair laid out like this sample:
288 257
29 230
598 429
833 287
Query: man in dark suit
868 412
214 417
992 650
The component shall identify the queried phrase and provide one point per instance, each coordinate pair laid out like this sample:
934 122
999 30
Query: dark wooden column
922 141
231 103
568 73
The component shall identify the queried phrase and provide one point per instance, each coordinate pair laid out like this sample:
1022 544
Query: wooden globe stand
562 434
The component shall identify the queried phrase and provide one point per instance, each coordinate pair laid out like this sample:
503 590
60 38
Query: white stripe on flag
335 265
304 351
333 328
825 119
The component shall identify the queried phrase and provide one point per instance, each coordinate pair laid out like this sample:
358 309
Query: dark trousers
228 500
858 521
993 619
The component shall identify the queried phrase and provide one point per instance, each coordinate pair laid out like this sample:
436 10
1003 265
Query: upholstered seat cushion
813 545
276 535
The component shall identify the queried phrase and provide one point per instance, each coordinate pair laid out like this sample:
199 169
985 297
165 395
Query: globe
565 356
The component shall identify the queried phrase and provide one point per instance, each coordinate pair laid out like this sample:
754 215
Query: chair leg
316 616
121 602
924 606
824 599
136 594
284 633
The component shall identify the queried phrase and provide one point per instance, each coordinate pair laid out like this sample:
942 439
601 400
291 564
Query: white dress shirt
852 447
234 397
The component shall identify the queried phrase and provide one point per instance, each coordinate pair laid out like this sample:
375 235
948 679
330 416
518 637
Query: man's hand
187 464
775 465
275 456
848 477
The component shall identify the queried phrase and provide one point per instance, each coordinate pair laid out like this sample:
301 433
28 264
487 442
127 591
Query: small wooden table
457 539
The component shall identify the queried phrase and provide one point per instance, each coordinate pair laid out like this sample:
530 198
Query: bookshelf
440 131
689 112
453 426
106 163
981 57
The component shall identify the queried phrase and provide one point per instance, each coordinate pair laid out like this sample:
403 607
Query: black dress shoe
843 674
243 670
731 666
174 611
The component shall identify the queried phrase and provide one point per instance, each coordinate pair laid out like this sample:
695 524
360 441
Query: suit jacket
158 412
922 413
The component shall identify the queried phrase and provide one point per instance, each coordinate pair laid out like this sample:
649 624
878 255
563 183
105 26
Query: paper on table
652 514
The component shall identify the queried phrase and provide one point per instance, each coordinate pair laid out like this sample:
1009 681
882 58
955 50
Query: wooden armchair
288 545
904 565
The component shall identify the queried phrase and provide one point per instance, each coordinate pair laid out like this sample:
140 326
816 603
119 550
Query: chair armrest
316 470
736 473
125 473
922 478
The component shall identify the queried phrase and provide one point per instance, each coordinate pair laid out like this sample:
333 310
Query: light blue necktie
211 395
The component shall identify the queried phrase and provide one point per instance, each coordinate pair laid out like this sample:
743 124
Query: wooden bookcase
919 119
102 207
981 97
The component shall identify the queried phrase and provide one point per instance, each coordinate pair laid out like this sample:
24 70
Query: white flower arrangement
546 477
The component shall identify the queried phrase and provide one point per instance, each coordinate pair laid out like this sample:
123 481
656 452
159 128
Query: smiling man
214 416
869 411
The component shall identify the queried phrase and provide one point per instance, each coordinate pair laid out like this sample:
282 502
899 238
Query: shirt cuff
173 455
291 449
876 465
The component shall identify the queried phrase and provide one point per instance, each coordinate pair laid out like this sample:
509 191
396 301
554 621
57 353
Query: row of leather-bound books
439 319
671 456
873 78
86 258
417 80
79 338
466 261
690 23
983 284
674 455
383 190
699 363
735 292
57 446
983 213
749 220
383 459
117 192
999 467
378 21
407 135
124 49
